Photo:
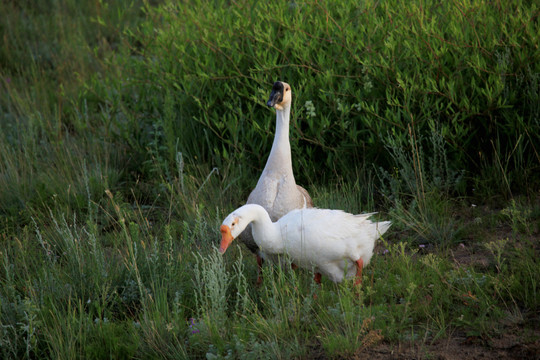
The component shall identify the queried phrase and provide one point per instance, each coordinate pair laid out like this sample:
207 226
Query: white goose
276 190
331 242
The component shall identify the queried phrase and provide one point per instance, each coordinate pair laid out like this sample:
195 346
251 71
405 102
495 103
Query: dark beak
276 96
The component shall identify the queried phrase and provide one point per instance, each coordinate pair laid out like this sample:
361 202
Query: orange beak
226 238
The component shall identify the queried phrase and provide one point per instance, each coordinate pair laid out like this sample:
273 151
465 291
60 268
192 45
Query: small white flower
340 106
368 85
310 109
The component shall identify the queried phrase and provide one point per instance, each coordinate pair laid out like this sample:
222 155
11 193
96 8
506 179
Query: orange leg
317 278
259 266
359 266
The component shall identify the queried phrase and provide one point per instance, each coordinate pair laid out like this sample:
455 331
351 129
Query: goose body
330 242
276 190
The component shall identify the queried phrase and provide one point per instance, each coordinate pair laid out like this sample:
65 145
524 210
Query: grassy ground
109 227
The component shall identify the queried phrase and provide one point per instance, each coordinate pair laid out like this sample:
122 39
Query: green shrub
358 71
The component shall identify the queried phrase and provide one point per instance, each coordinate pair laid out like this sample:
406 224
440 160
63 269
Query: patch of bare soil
477 256
508 346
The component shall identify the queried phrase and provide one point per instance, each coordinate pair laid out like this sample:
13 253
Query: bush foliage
361 72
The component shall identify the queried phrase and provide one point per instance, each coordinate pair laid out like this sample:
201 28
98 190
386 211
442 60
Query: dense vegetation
129 129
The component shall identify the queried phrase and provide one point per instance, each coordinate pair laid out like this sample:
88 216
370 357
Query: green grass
130 130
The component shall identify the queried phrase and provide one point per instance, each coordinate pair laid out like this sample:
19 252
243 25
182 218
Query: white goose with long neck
276 190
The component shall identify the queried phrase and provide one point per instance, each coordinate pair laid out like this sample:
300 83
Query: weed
496 248
419 192
519 217
211 284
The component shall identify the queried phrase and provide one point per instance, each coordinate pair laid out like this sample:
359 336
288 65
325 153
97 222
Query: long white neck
280 155
266 234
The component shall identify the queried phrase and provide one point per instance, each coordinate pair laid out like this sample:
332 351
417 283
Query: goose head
232 226
281 95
